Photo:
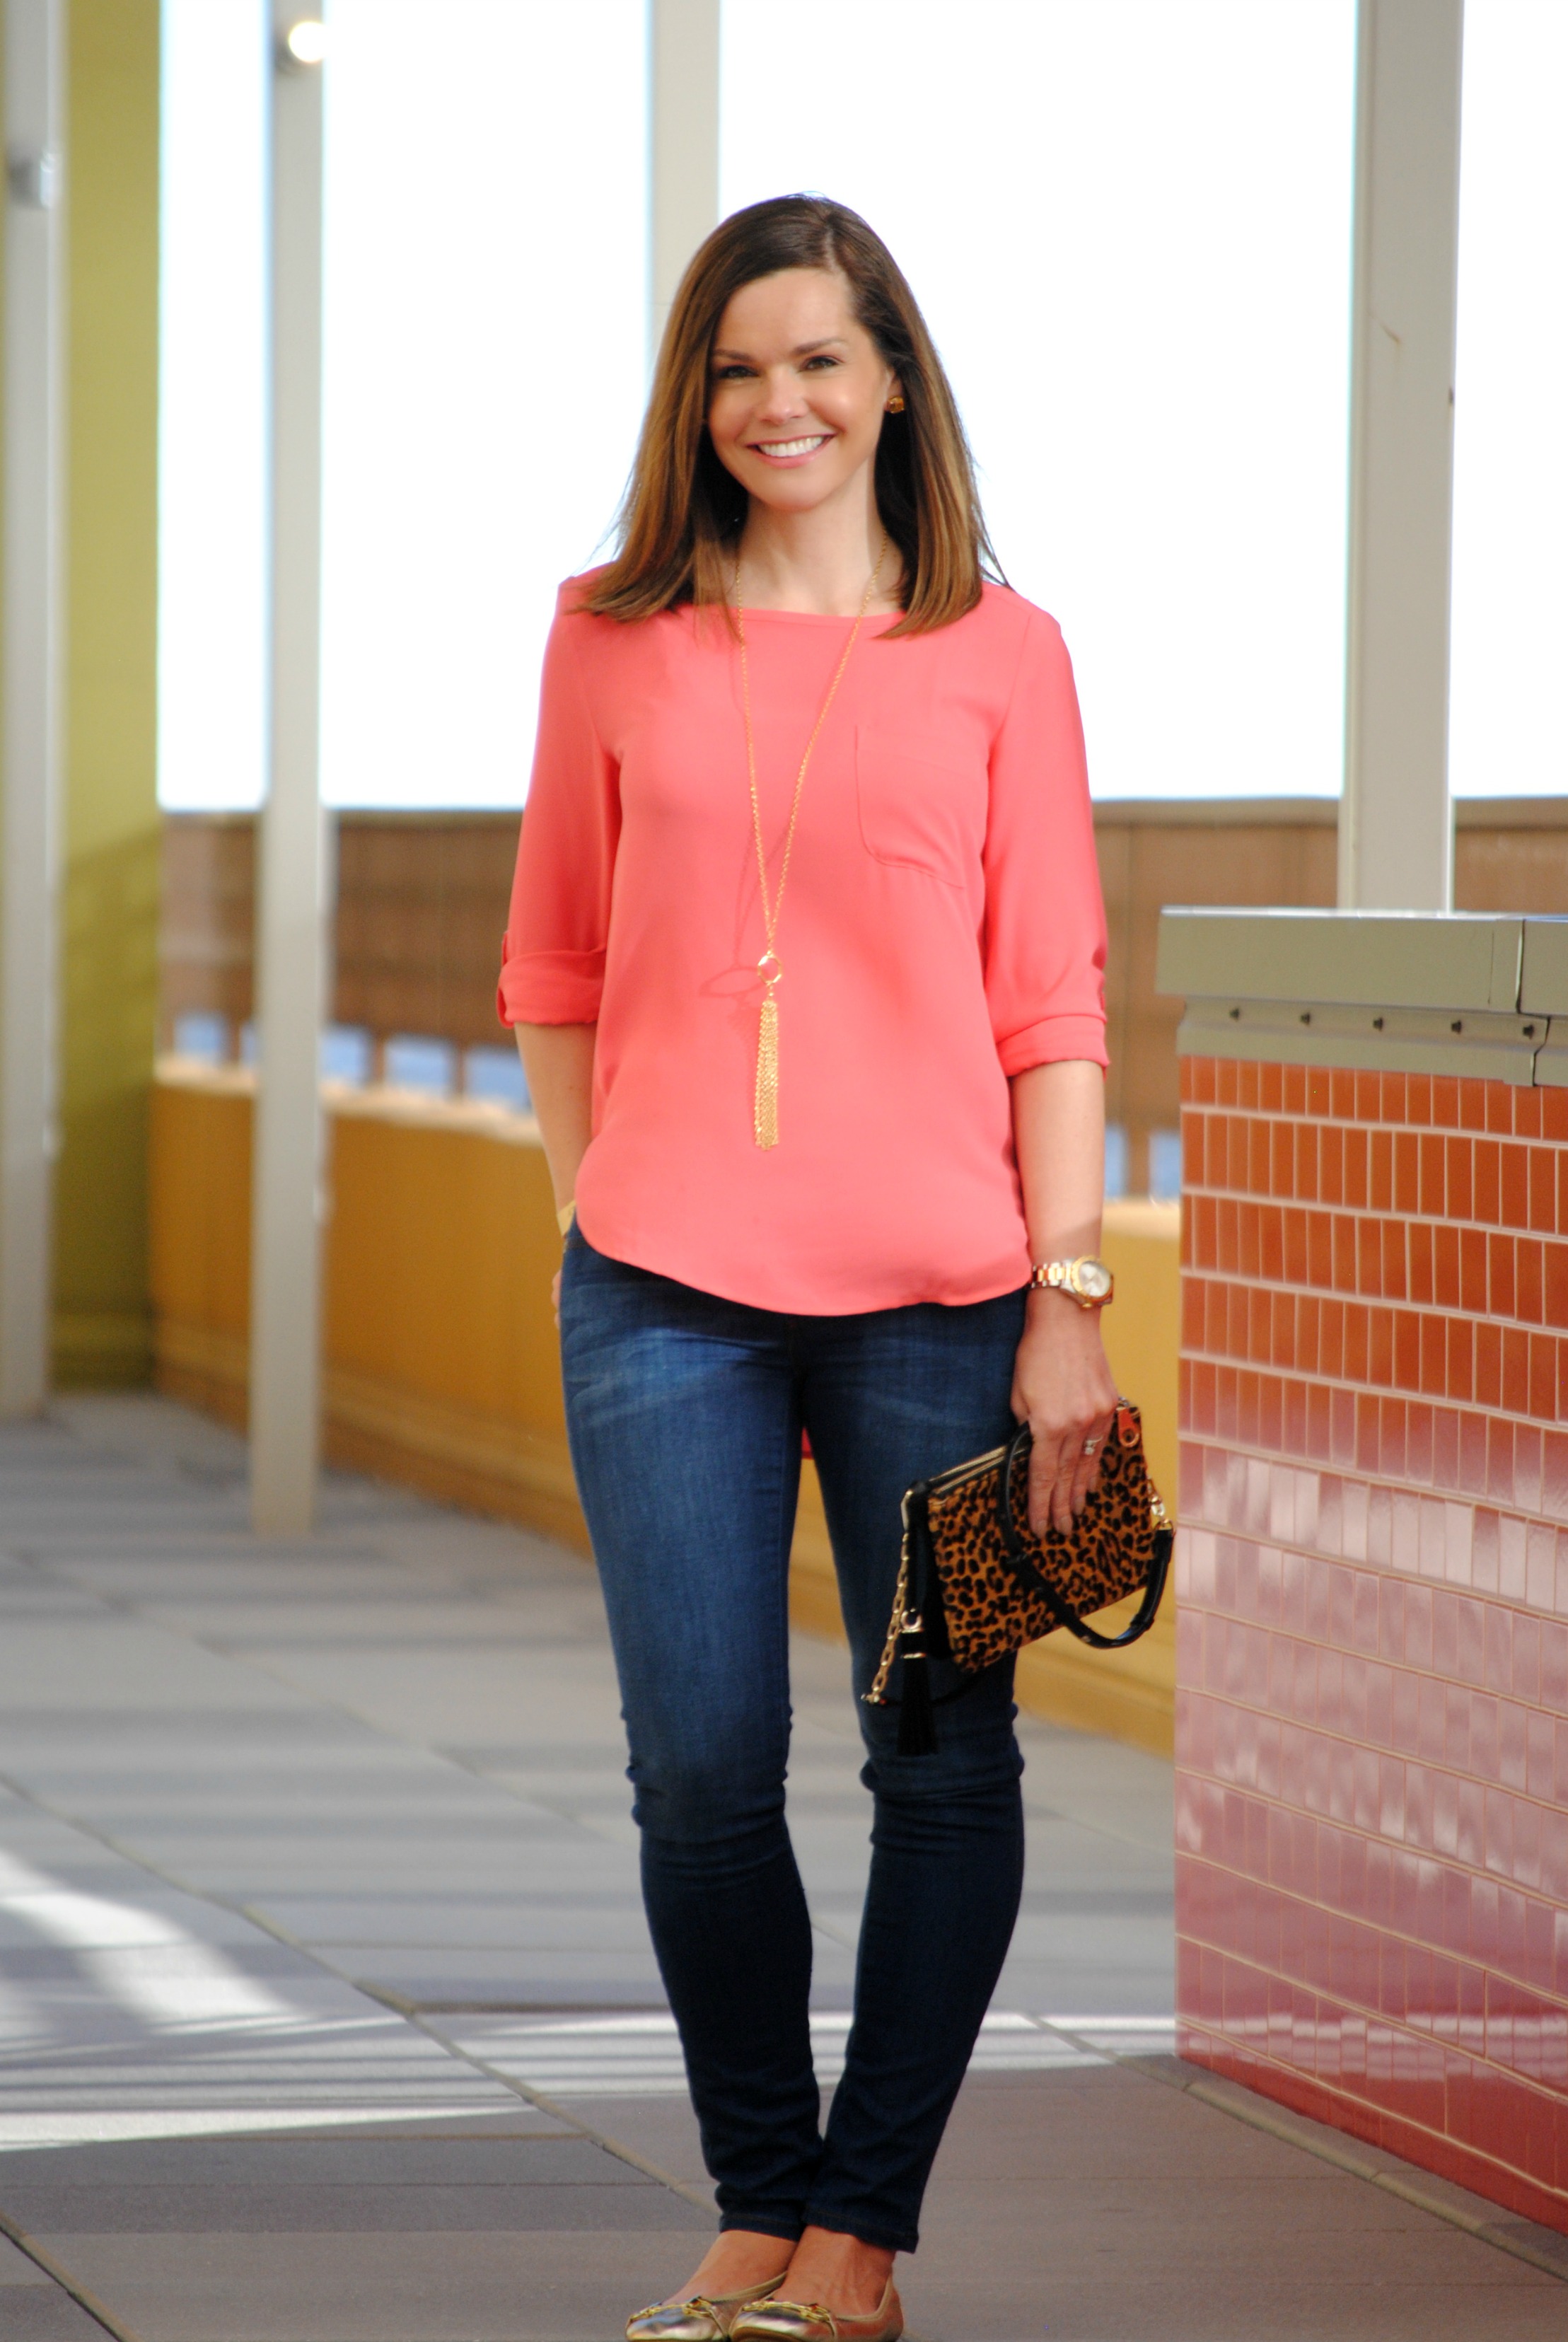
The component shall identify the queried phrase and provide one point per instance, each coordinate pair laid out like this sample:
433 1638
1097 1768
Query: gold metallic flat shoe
705 2317
808 2321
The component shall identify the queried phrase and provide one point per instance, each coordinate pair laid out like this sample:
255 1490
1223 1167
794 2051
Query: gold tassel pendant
765 1110
766 1099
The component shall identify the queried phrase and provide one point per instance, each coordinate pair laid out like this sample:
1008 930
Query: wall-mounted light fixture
304 44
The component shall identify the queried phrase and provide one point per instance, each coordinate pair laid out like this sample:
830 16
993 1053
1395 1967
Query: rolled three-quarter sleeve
553 955
1045 936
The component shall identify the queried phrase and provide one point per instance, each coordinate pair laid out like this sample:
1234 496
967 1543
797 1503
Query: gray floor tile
587 1980
664 2130
16 2269
475 2288
979 2298
46 2314
338 2159
467 2206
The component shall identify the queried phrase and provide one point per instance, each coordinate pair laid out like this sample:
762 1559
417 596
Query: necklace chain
770 968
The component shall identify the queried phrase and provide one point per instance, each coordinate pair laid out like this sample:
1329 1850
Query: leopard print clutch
976 1582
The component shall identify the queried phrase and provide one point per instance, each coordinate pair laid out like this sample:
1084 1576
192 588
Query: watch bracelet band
1056 1277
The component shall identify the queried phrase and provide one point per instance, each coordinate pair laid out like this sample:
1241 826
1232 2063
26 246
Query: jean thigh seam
783 1550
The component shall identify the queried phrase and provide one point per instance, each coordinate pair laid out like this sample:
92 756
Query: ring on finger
1090 1445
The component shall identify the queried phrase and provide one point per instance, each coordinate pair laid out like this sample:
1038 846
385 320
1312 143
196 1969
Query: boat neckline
822 617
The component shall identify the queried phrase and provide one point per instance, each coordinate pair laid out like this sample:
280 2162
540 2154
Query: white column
1396 828
290 957
30 668
682 143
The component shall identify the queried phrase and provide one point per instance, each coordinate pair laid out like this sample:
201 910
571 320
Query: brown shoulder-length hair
684 511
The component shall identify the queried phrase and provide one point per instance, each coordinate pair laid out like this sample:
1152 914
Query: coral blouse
942 929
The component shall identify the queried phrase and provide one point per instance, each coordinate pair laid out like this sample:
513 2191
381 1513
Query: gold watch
1088 1280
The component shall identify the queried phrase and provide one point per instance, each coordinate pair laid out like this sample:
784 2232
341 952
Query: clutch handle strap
1023 1569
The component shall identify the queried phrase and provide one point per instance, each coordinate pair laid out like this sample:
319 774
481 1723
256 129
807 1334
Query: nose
782 399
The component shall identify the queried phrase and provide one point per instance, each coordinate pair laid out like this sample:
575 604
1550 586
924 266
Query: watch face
1093 1280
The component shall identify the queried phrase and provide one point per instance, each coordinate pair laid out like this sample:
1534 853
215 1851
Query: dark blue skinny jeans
685 1415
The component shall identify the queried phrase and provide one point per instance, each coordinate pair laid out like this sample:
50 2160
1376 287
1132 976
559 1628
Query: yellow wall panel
441 1251
199 1236
109 969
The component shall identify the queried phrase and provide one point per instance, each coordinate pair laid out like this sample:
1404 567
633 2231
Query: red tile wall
1372 1706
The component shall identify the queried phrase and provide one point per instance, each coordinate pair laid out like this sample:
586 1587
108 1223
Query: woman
804 958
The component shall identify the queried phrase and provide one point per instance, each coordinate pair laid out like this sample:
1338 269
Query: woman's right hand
558 1064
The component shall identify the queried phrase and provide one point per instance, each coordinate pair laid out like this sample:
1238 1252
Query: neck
818 562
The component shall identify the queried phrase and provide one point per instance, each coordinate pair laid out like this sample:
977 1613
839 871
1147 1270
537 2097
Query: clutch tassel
916 1716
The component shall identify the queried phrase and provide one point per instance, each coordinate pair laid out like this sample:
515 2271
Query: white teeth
791 446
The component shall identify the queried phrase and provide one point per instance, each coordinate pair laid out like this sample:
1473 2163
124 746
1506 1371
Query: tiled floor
327 2013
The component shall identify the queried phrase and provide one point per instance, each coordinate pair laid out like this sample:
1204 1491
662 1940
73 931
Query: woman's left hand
1064 1389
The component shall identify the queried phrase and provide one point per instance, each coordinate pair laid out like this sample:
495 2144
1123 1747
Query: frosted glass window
485 301
1509 725
1128 222
486 333
211 540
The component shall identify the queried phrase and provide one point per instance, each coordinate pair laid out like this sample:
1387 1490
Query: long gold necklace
770 968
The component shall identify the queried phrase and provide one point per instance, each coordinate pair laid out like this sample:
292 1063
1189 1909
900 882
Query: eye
732 371
823 358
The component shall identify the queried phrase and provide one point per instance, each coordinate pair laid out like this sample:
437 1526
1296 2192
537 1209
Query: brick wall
1372 1721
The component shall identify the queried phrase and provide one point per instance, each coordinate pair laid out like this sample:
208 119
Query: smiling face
797 390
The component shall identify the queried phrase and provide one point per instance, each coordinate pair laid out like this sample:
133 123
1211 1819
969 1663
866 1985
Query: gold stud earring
895 403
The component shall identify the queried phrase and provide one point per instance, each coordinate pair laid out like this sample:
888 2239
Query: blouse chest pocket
914 813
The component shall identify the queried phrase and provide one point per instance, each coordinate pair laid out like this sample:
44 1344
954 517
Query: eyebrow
801 349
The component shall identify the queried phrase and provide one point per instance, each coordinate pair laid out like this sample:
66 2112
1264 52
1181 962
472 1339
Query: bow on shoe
808 2321
704 2318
